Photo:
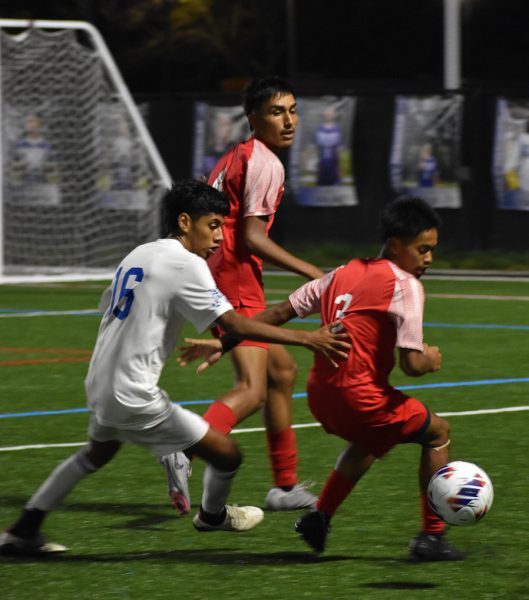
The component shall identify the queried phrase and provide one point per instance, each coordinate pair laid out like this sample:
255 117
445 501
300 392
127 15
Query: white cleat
296 498
238 518
178 469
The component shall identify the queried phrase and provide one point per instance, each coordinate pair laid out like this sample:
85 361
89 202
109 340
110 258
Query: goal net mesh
79 190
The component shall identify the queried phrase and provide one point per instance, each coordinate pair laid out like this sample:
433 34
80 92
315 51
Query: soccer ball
460 493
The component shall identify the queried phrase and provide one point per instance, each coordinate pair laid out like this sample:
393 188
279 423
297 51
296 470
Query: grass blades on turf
126 542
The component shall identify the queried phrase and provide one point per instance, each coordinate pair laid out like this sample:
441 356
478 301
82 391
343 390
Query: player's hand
209 350
434 356
333 344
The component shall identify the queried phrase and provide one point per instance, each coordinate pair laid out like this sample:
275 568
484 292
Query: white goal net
81 177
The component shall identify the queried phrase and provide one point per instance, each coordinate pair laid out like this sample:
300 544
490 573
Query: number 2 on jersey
121 310
345 300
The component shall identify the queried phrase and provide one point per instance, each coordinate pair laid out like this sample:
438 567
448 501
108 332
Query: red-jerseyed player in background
379 303
252 178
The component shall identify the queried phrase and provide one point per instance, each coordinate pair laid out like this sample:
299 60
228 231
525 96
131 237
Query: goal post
81 179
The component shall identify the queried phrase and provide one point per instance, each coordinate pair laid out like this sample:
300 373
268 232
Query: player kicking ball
156 288
379 303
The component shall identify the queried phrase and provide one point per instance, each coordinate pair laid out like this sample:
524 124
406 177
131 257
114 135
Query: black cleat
430 547
15 546
313 527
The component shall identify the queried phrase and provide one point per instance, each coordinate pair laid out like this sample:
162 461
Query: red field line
45 350
84 356
40 361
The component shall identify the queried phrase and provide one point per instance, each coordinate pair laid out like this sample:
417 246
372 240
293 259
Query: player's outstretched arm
258 242
333 345
415 363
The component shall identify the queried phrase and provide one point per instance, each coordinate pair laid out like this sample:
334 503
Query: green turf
127 543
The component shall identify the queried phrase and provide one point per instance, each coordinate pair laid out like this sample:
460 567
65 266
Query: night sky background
208 45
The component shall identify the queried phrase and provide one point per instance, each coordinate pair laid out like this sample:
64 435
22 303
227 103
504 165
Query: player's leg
224 458
23 537
287 493
430 543
249 392
248 395
351 465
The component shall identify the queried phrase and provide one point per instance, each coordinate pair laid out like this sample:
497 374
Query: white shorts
179 431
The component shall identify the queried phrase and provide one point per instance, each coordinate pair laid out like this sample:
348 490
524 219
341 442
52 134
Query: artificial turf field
126 542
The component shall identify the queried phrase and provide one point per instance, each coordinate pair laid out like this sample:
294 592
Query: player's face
415 256
275 121
204 235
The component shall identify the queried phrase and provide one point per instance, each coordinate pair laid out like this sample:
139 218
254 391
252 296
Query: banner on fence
320 166
510 162
425 156
217 128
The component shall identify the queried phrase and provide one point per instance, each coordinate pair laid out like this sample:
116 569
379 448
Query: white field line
464 413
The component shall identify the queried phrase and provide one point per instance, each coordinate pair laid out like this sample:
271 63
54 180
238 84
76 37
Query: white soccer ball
460 493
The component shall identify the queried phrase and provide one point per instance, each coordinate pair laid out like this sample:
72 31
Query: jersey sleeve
406 309
306 300
264 183
199 300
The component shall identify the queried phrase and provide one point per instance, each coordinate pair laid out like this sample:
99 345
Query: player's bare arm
415 363
333 345
258 242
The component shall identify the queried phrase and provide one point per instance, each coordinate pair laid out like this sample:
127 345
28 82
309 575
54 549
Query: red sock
283 457
221 417
431 523
335 491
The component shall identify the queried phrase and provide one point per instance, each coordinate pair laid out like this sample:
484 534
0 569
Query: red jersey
252 178
380 306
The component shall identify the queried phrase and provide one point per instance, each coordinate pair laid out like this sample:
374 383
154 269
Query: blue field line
447 384
446 325
95 313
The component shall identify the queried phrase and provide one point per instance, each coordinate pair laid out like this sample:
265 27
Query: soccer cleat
430 547
298 497
178 469
13 545
314 527
238 518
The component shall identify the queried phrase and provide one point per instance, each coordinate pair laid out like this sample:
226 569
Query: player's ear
251 120
392 246
184 222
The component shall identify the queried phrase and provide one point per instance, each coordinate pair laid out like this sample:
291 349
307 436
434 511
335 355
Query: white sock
61 481
216 489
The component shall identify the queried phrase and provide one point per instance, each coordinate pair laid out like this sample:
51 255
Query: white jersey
156 288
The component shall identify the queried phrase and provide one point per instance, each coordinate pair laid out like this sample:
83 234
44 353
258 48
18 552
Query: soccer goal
80 179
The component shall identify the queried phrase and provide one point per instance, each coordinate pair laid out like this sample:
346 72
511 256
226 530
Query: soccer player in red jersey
252 177
379 303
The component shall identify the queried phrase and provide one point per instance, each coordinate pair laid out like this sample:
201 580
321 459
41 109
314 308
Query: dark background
174 52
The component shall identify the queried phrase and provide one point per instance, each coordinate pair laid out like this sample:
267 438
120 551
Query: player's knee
231 457
439 434
283 377
97 455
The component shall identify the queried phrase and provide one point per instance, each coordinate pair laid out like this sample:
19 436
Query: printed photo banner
510 161
217 128
425 154
320 165
30 168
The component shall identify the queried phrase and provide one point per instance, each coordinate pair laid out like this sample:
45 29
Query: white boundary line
464 413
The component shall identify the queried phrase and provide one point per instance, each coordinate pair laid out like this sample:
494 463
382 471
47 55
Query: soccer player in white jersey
156 288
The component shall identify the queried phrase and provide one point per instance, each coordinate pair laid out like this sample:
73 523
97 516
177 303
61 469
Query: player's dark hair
195 198
405 218
259 90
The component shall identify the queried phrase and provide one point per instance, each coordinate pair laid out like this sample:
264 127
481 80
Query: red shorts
375 423
245 311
